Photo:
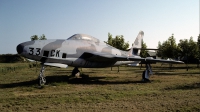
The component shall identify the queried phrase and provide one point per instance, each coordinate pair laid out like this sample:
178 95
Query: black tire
75 71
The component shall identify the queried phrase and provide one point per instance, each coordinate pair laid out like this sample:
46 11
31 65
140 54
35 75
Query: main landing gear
147 73
75 72
41 77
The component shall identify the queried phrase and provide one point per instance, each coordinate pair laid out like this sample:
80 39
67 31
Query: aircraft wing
104 57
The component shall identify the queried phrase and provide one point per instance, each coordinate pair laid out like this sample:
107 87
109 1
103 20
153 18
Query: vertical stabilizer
137 45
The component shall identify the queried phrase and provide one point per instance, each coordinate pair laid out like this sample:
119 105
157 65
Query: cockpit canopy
83 37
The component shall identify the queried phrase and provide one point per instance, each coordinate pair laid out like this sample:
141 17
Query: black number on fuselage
38 51
31 50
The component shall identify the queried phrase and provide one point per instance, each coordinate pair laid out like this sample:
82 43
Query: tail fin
137 45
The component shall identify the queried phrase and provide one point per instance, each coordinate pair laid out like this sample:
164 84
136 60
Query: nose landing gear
41 77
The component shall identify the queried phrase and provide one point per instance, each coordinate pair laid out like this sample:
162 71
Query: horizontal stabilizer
164 61
150 60
56 65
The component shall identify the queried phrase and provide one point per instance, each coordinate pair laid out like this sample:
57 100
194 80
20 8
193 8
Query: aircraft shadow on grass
68 79
87 81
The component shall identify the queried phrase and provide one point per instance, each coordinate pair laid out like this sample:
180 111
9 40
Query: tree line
187 49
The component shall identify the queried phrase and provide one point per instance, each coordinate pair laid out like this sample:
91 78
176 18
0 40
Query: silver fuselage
71 52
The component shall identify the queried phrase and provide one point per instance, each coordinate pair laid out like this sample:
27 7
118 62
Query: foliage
35 37
42 37
159 52
188 48
198 45
143 52
12 58
168 49
117 42
110 39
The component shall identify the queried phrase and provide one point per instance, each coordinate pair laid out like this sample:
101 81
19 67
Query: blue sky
59 19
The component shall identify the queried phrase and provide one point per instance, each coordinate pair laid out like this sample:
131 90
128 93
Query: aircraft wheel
41 81
143 77
75 72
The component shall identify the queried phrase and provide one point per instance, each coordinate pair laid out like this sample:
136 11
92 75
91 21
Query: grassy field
100 89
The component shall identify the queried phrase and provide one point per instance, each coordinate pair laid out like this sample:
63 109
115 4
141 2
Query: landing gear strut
75 72
147 73
41 77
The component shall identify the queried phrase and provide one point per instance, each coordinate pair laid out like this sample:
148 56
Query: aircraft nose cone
20 48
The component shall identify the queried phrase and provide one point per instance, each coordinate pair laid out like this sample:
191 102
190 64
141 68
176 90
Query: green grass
100 90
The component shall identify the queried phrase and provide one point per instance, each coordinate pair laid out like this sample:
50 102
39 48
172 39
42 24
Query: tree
117 42
159 52
198 42
143 52
198 45
188 49
42 37
168 49
110 39
35 37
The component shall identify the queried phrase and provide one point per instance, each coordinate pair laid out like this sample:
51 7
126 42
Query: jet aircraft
81 50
